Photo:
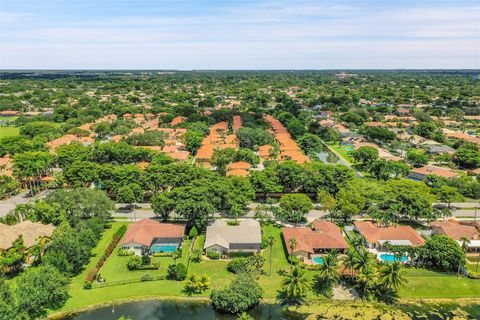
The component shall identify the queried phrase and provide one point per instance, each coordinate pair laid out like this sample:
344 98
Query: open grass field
422 284
9 132
427 284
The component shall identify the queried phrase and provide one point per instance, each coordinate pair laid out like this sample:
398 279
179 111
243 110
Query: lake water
176 310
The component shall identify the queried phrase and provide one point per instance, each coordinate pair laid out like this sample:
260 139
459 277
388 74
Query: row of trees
80 216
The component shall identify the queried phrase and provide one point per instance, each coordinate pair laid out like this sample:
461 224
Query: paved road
21 198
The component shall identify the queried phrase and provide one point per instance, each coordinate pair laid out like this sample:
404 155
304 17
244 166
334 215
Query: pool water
392 258
317 260
163 248
349 148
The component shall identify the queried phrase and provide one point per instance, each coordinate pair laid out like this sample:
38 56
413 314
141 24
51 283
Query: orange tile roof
325 236
237 123
239 165
169 149
177 120
455 230
237 173
146 230
180 155
116 138
437 171
264 151
142 165
373 233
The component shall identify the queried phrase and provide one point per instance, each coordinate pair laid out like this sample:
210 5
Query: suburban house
376 237
438 149
325 236
459 231
224 238
31 233
148 236
419 174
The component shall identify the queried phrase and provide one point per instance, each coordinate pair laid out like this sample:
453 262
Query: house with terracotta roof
459 231
376 237
265 152
177 120
148 236
419 174
225 239
324 237
31 233
6 165
9 113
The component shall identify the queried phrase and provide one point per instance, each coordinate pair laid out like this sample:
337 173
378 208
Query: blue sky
282 34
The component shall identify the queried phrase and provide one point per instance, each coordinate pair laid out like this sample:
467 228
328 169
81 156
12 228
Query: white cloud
264 35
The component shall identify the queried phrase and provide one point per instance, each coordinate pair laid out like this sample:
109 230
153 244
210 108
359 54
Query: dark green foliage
177 272
242 294
442 253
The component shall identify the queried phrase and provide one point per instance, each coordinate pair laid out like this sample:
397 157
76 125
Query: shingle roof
219 233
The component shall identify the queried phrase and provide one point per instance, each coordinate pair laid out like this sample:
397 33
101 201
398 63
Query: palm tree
363 260
271 242
329 274
349 260
175 256
292 244
295 286
392 276
464 247
367 279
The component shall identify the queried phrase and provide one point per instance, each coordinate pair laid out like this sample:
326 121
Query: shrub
146 260
177 272
197 284
162 254
87 285
134 263
213 255
125 252
240 254
146 277
242 294
237 265
193 232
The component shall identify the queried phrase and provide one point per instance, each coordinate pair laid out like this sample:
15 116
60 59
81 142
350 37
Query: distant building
419 174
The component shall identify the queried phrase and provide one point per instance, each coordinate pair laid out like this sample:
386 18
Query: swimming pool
317 260
348 148
155 248
391 258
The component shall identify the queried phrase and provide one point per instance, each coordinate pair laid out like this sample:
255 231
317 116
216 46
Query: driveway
21 198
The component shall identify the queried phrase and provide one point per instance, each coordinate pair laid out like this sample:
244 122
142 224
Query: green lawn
344 151
9 131
432 285
422 283
8 119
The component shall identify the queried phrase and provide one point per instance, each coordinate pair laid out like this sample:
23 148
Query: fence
122 282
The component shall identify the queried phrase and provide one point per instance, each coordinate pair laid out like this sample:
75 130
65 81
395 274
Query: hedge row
117 236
